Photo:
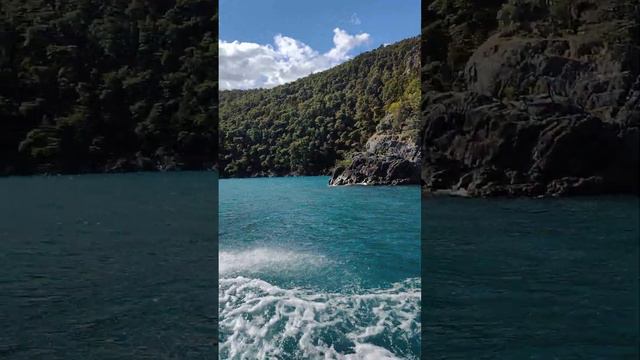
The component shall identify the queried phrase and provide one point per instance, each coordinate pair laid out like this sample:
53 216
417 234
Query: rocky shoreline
531 147
540 108
387 160
546 103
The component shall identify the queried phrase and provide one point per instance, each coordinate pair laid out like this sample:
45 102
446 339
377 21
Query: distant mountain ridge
322 121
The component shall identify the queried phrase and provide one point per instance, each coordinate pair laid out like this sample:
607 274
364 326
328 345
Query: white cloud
344 42
245 65
355 19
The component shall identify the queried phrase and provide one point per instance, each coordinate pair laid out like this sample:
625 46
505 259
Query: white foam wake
259 260
259 320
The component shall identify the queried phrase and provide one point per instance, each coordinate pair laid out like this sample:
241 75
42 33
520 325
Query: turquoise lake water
123 266
310 271
108 266
531 279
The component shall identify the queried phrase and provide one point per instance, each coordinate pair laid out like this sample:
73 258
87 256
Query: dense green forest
308 126
115 85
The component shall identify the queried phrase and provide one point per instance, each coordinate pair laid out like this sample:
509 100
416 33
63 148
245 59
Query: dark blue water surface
108 266
309 271
530 279
124 266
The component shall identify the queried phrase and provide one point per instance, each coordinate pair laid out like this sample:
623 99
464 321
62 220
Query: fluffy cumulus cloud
245 65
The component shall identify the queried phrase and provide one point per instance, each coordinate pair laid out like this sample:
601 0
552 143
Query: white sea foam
258 260
259 320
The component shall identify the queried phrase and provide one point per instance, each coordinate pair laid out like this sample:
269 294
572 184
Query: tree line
308 126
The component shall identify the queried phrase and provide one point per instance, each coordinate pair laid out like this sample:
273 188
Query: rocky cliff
542 100
391 155
388 159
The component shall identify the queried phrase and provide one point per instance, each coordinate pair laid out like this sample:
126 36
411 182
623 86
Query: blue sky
264 43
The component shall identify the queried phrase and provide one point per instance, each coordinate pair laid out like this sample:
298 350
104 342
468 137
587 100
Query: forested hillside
115 85
308 126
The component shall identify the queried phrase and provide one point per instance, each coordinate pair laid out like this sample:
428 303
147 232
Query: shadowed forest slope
94 86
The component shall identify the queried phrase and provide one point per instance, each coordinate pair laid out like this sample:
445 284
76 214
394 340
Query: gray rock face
387 160
482 147
540 110
579 68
